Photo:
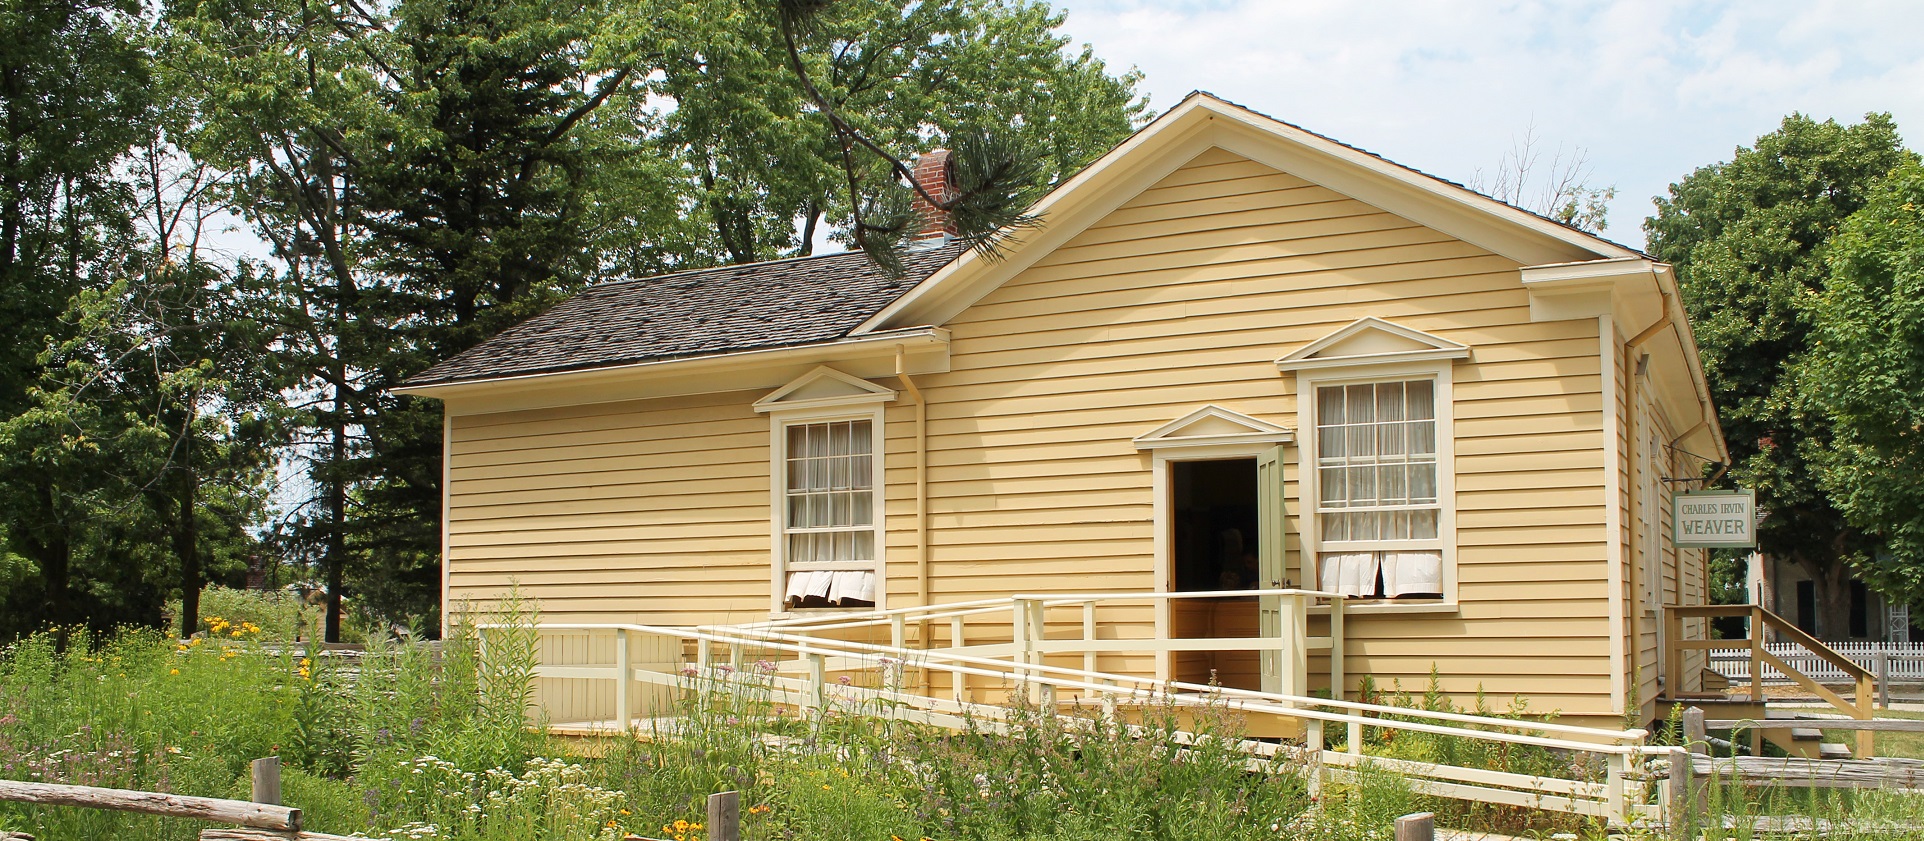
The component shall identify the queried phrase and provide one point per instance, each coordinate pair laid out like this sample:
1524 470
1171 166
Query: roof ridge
1406 167
723 267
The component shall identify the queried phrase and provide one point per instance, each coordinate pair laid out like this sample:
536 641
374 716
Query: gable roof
707 311
816 300
1203 121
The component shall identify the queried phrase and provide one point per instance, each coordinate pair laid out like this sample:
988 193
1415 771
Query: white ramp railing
614 677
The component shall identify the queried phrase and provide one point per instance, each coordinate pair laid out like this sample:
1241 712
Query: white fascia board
927 353
1149 155
1201 122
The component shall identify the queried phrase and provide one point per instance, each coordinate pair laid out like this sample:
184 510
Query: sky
1645 90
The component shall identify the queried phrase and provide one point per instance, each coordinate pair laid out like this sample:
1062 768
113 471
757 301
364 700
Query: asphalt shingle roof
695 313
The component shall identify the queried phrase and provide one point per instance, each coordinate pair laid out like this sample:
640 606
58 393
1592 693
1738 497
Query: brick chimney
936 175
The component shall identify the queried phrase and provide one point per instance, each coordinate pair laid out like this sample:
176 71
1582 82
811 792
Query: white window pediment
822 387
1372 341
1210 426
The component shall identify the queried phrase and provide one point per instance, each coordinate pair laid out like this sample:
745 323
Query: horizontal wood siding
650 512
657 511
1186 296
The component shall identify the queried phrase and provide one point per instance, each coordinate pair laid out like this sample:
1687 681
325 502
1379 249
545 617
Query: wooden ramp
593 679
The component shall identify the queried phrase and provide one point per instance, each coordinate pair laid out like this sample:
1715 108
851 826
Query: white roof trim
1185 431
853 391
1201 122
1430 347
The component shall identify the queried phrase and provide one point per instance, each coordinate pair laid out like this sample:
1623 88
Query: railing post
624 675
1673 635
893 674
958 682
1295 657
1866 740
1616 795
1694 733
1355 738
817 698
1337 674
1756 673
1313 751
1088 635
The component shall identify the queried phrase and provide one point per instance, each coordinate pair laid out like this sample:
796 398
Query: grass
414 743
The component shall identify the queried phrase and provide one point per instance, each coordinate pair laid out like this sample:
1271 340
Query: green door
1270 566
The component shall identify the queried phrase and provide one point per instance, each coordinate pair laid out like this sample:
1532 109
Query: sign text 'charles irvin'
1715 520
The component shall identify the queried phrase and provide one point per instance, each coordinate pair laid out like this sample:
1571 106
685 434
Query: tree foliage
1747 238
420 174
1863 372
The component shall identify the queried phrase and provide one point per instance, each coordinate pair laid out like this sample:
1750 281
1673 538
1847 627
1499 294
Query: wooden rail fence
261 819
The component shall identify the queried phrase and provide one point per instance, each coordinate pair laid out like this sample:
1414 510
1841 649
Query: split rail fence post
725 816
267 780
1677 799
1693 729
1883 677
1418 827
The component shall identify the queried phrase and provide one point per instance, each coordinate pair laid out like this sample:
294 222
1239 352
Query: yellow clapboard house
1235 356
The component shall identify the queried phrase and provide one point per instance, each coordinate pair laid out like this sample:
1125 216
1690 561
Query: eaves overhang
923 350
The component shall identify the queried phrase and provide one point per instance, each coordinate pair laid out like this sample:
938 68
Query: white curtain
1406 573
1350 573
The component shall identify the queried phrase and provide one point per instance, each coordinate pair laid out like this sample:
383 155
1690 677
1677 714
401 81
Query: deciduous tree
1865 374
1746 236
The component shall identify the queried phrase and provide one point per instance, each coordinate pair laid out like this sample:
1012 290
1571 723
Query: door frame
1163 488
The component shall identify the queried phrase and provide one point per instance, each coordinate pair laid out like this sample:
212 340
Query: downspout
921 475
1631 394
921 499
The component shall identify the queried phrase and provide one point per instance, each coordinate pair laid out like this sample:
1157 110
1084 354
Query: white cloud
1652 89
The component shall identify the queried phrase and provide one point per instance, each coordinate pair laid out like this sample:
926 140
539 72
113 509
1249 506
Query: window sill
820 612
1387 608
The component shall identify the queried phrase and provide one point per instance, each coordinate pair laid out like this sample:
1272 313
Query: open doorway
1213 546
1213 507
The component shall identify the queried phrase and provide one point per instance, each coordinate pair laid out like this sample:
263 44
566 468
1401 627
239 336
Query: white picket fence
1900 663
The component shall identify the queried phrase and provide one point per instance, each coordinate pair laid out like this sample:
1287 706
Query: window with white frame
1379 508
830 534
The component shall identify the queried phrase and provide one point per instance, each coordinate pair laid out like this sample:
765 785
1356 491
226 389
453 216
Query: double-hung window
1379 504
825 506
829 535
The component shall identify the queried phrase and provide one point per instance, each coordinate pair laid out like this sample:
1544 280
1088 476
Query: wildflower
759 808
173 671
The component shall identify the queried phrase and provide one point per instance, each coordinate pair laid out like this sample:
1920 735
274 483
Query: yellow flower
173 671
625 812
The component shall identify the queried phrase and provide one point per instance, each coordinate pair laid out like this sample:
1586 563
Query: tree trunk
1830 590
187 543
336 556
56 560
